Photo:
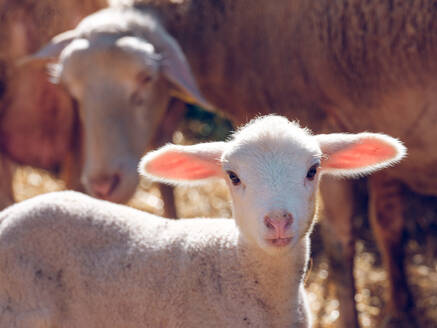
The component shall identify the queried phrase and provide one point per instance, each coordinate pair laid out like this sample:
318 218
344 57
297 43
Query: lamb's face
272 170
271 166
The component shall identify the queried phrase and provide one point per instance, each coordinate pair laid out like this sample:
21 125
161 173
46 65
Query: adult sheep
69 260
118 73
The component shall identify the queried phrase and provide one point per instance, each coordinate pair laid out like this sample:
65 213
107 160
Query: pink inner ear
183 166
365 153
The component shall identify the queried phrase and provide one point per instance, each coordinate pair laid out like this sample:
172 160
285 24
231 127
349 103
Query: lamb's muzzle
279 225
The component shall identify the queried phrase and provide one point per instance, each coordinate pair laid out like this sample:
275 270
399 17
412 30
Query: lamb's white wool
72 261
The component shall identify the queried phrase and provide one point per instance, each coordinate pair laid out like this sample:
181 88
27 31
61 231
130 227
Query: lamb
69 260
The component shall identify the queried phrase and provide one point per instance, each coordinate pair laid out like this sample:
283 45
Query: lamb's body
69 260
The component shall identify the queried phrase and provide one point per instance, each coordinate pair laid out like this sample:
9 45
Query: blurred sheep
122 69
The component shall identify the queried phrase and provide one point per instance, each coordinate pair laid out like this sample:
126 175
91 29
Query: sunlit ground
213 200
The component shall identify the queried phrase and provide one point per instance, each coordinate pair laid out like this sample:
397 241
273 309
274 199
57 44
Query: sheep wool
68 260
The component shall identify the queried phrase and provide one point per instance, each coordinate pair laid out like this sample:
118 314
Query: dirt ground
213 200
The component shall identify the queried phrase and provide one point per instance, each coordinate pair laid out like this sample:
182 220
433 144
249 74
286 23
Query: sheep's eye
234 178
144 78
312 172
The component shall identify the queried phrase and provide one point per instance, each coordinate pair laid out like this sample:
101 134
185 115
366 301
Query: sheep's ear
183 164
52 49
177 70
358 154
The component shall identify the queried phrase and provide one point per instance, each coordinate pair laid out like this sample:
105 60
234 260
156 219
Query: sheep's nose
279 222
103 186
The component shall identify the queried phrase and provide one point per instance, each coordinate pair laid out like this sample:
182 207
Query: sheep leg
168 125
6 175
71 171
167 195
386 218
339 244
72 164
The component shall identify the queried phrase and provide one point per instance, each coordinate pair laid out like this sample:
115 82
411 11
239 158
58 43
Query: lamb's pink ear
358 154
176 164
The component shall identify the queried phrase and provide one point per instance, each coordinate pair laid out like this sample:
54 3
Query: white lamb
68 260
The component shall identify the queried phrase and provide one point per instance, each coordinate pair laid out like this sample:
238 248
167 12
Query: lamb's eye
312 172
234 178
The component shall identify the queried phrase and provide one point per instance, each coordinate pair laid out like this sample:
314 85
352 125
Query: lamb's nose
103 186
278 222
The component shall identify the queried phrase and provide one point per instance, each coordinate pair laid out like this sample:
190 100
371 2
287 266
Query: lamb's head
273 167
122 67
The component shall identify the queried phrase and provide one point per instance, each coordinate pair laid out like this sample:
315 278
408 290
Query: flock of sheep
115 87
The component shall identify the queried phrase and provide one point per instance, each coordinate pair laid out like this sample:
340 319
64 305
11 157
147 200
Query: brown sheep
47 136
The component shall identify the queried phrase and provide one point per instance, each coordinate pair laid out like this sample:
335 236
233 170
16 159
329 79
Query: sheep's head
122 67
273 167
